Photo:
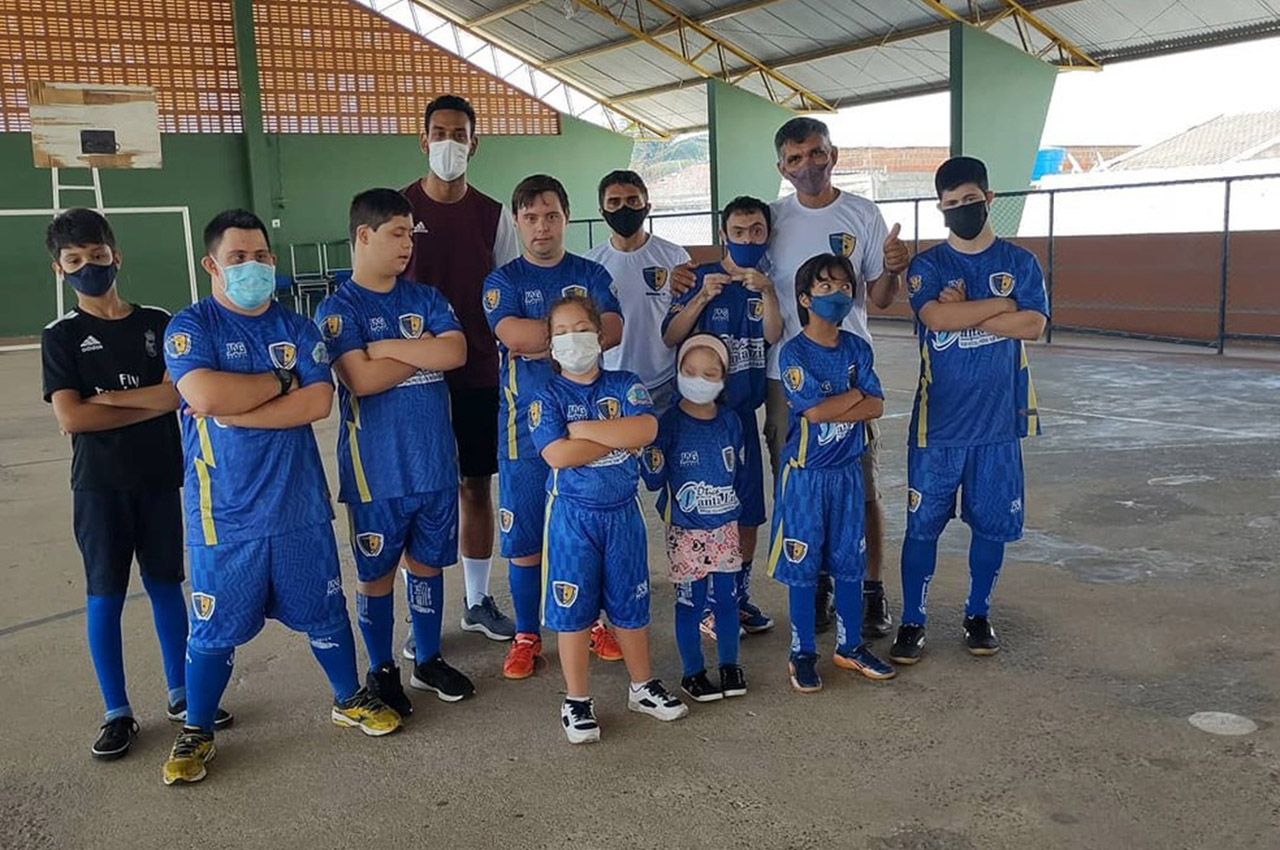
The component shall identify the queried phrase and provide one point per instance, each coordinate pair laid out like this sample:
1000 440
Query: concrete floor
1145 590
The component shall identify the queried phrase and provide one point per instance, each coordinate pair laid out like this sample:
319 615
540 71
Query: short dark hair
452 103
746 204
528 190
375 207
958 171
622 177
809 271
77 227
231 220
797 130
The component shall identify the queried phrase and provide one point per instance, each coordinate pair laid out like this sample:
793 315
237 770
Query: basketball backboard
77 125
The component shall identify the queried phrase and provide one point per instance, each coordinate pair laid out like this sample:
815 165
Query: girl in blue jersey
818 516
589 425
696 463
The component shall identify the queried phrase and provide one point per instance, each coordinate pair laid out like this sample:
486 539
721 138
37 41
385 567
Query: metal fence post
915 226
1226 258
1048 280
591 236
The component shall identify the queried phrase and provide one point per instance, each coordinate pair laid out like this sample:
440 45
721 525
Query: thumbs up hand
896 254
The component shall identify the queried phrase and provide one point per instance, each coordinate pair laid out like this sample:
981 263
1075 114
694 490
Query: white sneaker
654 700
579 720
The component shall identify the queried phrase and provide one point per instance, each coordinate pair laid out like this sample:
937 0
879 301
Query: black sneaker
980 636
876 619
909 645
824 608
114 738
699 688
487 619
733 682
435 674
178 714
384 683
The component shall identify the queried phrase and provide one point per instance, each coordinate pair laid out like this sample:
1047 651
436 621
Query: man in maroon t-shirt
459 236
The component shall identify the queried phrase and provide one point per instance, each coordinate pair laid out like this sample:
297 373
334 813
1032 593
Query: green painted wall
740 136
999 100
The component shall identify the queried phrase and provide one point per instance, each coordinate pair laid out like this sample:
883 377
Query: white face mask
576 352
697 389
448 159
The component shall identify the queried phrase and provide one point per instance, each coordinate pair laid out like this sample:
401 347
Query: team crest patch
853 375
505 519
535 414
574 291
653 459
639 396
609 408
913 284
177 344
727 454
370 543
331 326
283 354
842 243
565 593
320 353
795 550
913 500
755 309
202 605
794 377
491 299
1001 283
149 341
656 277
411 326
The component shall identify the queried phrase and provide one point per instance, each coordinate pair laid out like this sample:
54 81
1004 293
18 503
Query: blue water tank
1048 161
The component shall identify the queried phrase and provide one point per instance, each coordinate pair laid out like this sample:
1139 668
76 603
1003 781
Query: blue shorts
751 494
522 502
991 478
291 577
595 559
818 520
424 526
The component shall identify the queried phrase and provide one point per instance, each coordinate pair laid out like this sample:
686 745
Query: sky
1133 103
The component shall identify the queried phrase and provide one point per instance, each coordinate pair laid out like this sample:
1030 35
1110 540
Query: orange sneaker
604 644
522 657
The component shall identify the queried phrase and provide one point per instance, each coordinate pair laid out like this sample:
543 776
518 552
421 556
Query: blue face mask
92 279
833 307
249 285
747 254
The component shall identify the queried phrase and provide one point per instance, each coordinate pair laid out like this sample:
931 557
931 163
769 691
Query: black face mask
625 221
966 221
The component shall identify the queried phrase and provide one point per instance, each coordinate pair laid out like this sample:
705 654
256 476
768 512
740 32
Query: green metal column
257 153
740 128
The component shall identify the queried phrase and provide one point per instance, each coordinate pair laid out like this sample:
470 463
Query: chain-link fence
1183 261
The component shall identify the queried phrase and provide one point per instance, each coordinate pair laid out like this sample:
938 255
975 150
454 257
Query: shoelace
580 710
121 721
658 691
187 743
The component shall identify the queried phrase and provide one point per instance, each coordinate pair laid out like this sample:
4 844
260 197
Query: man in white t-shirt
643 267
820 219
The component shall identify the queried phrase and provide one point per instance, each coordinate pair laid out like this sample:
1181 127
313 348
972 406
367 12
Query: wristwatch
285 377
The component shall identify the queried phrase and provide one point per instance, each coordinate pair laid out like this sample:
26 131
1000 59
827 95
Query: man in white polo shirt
820 219
643 267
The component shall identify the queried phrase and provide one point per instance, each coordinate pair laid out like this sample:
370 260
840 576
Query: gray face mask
811 179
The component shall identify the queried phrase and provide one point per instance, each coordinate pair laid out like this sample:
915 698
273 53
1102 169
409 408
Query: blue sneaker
753 620
860 659
804 673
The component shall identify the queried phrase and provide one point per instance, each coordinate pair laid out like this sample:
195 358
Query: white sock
476 572
635 689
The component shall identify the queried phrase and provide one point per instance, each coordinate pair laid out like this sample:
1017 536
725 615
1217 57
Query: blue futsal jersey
248 483
736 316
975 387
697 467
606 482
812 373
524 291
398 442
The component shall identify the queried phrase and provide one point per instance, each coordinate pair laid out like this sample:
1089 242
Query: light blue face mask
250 284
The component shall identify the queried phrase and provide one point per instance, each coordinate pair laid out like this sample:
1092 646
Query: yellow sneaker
192 750
372 715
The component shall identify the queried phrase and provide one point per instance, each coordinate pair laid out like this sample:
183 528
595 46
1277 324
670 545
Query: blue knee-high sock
691 598
426 611
919 560
848 614
985 559
208 672
803 601
335 649
725 586
526 597
376 615
742 582
169 611
106 648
